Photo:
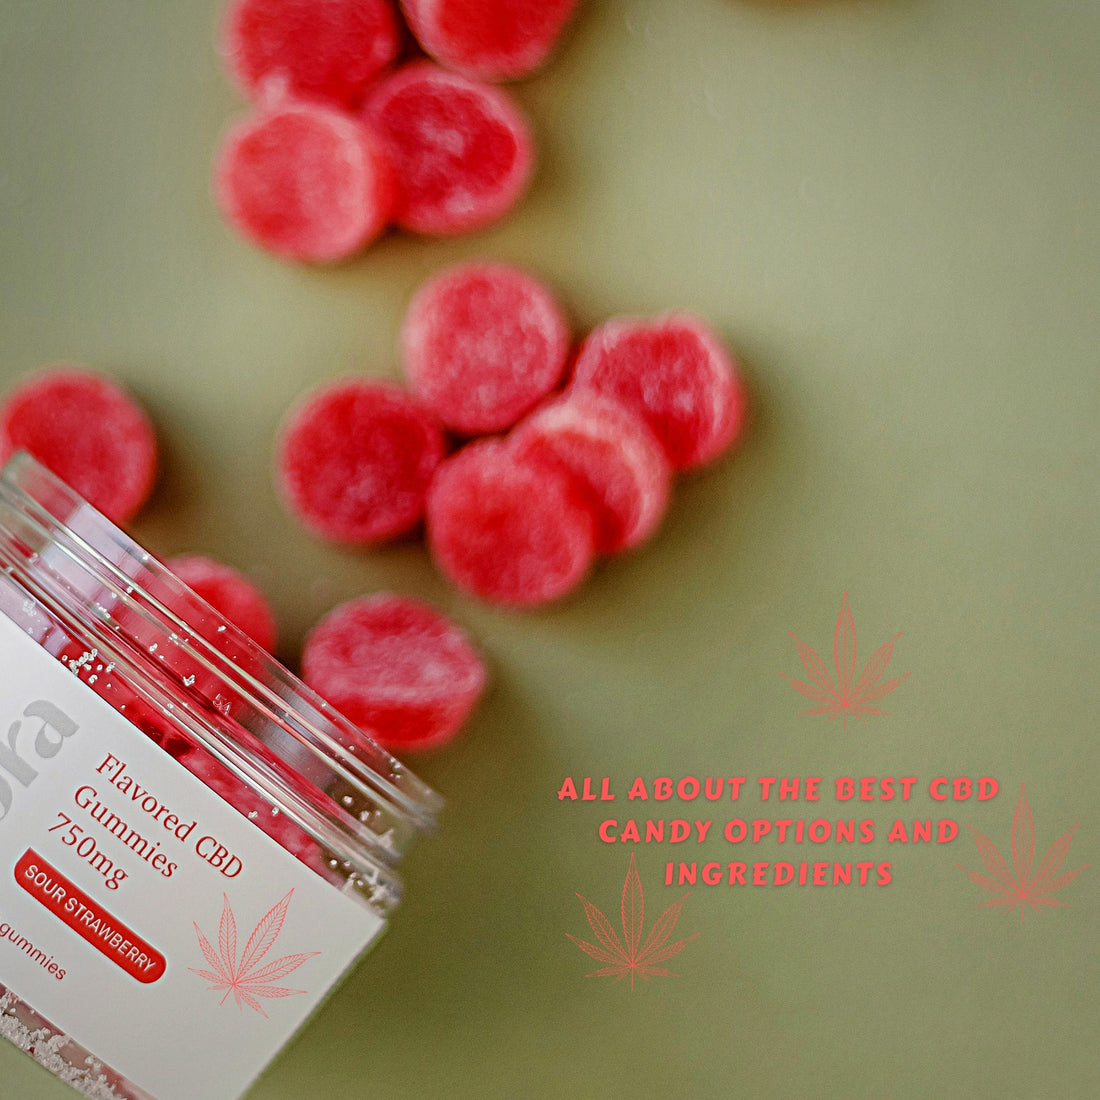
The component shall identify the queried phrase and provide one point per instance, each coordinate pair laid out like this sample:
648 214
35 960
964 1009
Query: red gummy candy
305 181
490 39
89 432
99 673
252 805
509 531
673 372
355 458
482 343
397 668
229 592
620 465
462 151
328 50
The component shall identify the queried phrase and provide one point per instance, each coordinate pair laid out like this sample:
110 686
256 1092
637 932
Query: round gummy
327 50
89 432
482 343
304 181
401 671
490 39
672 372
228 592
510 531
616 460
462 151
355 458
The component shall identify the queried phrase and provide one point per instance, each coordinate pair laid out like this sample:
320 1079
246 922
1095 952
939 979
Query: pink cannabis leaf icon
1019 886
247 981
844 697
632 957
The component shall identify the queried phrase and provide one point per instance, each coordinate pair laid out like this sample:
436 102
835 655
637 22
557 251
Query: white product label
139 912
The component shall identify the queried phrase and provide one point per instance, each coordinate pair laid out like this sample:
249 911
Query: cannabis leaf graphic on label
241 977
844 697
632 957
1019 886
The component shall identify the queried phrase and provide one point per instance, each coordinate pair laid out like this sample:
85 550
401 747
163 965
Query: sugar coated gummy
490 39
509 531
619 465
89 432
328 50
230 592
462 151
482 343
354 460
674 373
305 181
397 668
251 804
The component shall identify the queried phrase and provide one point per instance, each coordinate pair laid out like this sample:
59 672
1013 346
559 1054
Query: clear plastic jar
138 719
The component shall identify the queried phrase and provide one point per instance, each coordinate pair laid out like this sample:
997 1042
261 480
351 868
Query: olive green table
890 209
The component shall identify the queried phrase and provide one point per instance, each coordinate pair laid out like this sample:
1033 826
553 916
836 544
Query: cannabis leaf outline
843 697
240 978
1025 890
633 957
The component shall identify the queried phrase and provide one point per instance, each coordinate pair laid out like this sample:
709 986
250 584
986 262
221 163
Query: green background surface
890 209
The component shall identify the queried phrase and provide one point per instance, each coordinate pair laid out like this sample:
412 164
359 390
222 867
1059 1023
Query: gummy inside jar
48 1044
